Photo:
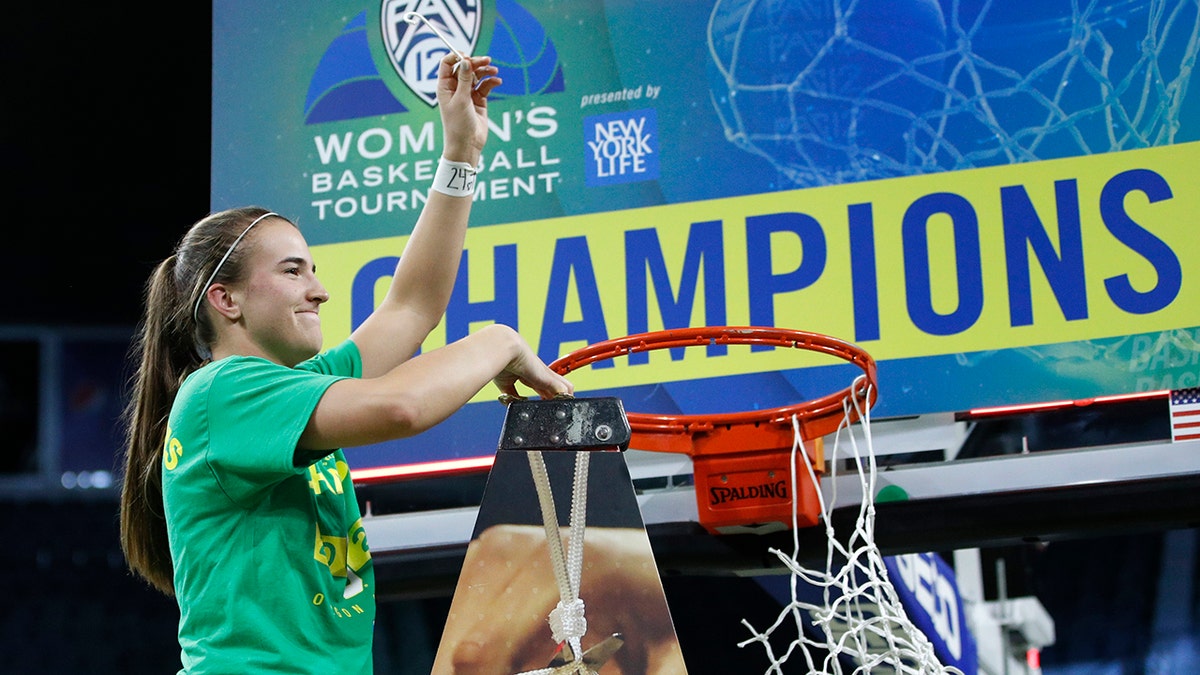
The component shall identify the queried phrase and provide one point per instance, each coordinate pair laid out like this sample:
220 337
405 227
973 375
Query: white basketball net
860 619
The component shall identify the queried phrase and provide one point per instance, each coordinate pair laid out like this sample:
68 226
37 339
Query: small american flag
1185 414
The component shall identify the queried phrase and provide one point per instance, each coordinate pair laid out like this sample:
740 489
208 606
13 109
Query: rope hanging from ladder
567 622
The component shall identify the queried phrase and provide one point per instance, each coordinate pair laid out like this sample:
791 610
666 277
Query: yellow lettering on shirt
357 552
172 451
319 480
338 553
331 552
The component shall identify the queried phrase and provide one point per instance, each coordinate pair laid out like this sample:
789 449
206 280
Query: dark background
106 152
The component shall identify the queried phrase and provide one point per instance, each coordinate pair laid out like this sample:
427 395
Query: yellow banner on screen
995 258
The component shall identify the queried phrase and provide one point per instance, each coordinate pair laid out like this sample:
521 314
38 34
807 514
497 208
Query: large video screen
997 200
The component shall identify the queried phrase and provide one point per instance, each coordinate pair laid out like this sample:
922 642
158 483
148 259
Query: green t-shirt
272 569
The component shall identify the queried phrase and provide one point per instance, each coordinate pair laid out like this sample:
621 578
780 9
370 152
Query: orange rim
819 416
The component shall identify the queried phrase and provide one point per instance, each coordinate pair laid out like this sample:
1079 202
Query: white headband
204 290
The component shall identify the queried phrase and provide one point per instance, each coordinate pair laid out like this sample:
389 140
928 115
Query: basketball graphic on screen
825 89
1048 80
346 84
832 91
524 53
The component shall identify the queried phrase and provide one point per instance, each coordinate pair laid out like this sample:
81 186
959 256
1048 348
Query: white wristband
456 179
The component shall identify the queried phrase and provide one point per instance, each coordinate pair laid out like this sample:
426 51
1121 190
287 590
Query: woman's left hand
462 98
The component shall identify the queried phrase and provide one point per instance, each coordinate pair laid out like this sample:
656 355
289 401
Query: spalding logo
765 491
415 51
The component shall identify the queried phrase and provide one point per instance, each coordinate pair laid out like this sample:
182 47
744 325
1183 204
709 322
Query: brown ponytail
170 344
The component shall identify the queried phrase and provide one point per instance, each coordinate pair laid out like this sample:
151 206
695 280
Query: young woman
237 499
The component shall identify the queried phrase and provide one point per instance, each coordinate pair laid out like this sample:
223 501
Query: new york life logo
621 147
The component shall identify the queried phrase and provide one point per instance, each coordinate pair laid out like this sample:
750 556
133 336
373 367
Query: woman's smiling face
281 296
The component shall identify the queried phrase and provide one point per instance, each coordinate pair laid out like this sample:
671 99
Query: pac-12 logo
347 83
415 50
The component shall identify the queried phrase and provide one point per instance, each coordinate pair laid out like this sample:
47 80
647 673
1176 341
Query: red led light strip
1057 405
447 467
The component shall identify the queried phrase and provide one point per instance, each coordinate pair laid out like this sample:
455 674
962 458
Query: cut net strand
860 616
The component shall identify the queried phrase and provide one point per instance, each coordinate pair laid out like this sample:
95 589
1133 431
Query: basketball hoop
759 456
743 454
